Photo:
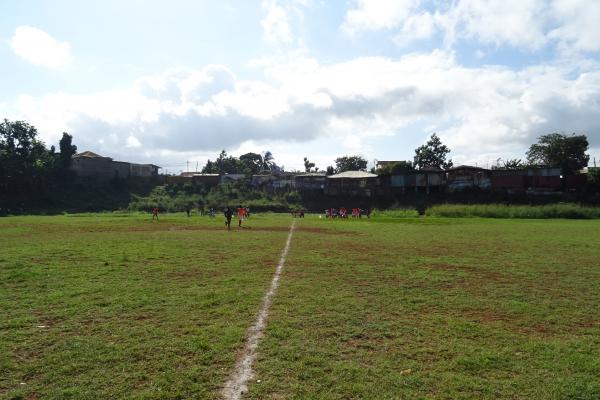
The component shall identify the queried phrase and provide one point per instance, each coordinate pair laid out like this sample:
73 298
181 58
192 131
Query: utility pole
187 168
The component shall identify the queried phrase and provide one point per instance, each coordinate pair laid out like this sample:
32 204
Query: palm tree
267 161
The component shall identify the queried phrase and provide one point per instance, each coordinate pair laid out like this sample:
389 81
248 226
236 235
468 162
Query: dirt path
237 383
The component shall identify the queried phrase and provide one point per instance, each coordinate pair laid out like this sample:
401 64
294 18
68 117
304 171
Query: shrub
396 213
176 198
559 210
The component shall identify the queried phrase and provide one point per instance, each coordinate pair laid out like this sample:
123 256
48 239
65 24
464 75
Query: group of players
342 212
242 214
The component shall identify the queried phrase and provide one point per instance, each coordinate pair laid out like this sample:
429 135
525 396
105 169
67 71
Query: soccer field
118 306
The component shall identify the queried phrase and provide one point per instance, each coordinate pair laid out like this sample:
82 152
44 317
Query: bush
177 198
396 213
560 210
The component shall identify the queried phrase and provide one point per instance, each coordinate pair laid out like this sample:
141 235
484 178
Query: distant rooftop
89 154
462 167
319 174
353 175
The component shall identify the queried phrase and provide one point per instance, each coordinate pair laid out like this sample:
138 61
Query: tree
224 164
560 150
67 150
593 178
308 166
330 170
510 164
267 161
396 168
350 163
252 162
432 154
24 160
249 163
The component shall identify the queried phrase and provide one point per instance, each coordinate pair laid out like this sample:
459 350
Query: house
262 180
509 181
122 170
206 179
543 180
467 177
229 178
283 181
425 179
143 170
527 180
310 181
575 182
88 164
352 183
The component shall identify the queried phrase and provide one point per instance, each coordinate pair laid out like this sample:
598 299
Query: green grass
386 308
106 307
436 308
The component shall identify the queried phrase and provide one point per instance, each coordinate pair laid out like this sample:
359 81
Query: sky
174 82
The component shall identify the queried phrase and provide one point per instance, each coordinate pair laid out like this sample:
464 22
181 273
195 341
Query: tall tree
224 164
515 163
267 161
67 150
432 154
559 150
249 163
350 163
252 162
308 166
24 160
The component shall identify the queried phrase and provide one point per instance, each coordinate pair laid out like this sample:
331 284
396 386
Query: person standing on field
155 213
241 213
228 214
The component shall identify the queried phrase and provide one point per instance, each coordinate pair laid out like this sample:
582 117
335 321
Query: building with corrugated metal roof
352 183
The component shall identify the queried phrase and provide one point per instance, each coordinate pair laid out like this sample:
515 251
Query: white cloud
368 15
282 22
523 24
519 23
479 111
579 26
416 27
133 142
276 23
39 48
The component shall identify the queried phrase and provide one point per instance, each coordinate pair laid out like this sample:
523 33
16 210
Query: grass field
118 306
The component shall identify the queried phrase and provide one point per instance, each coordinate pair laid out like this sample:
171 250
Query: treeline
254 164
26 165
248 164
567 152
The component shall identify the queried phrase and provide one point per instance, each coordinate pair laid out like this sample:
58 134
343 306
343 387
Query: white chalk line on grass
237 383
